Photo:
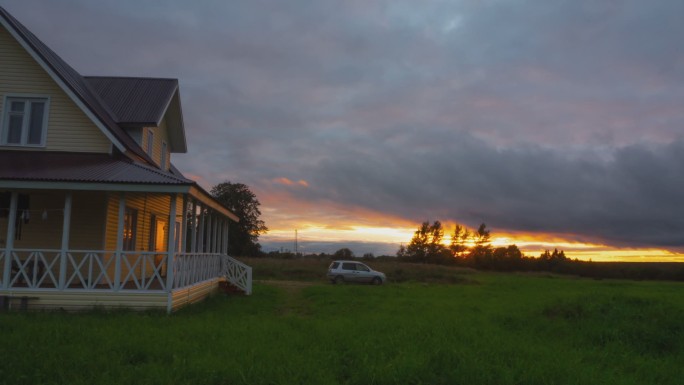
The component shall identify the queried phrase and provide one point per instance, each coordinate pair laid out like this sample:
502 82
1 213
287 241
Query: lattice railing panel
34 268
237 273
143 271
90 270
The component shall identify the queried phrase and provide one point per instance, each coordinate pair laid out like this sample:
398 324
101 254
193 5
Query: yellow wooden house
92 211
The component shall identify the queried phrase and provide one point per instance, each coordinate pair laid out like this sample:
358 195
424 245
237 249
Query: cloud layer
561 117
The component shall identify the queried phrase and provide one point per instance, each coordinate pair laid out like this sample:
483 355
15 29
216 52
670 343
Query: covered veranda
76 244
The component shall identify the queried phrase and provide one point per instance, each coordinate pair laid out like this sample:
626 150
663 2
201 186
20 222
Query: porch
157 248
78 279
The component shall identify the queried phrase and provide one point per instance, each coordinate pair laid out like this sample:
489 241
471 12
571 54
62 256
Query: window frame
25 127
129 241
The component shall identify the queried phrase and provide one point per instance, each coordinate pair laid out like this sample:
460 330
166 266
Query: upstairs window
25 121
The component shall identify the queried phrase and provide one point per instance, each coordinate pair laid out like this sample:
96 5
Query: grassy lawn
482 329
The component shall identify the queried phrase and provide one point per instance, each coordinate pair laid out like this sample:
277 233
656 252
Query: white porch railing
112 271
237 273
192 268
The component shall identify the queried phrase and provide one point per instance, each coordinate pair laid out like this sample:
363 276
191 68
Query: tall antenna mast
296 246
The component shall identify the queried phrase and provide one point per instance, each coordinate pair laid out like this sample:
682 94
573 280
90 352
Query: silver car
352 271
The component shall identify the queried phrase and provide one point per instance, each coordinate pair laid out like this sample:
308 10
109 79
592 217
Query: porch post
209 232
171 245
200 235
223 236
11 228
219 243
66 227
184 225
227 236
119 242
193 228
215 235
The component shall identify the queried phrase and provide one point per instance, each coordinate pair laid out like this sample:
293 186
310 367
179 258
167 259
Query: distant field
311 269
482 329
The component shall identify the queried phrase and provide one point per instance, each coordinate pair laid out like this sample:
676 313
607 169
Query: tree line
473 248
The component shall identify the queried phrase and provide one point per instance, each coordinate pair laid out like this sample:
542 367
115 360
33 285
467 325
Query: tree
482 236
402 253
481 254
368 256
417 248
459 241
548 260
426 244
344 253
243 237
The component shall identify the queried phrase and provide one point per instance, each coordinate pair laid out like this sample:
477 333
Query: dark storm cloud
630 196
552 116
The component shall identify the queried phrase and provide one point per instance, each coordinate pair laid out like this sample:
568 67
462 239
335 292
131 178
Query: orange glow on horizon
530 244
331 222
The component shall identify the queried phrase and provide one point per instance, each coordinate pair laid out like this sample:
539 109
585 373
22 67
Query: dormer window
24 121
150 143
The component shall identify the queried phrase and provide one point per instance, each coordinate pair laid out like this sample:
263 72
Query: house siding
38 233
87 221
160 135
83 300
147 204
193 294
69 129
87 217
77 300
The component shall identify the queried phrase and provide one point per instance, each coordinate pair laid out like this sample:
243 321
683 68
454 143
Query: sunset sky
556 123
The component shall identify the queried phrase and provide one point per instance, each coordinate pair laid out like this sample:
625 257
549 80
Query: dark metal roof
134 101
69 167
81 167
76 84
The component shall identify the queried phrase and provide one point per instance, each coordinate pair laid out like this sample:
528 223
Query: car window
334 265
348 266
360 267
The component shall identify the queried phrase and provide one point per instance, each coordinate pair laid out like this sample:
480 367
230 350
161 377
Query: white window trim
4 124
150 143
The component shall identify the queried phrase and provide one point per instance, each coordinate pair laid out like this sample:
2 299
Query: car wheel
377 281
339 279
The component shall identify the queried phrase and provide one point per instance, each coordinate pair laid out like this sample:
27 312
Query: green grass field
478 329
